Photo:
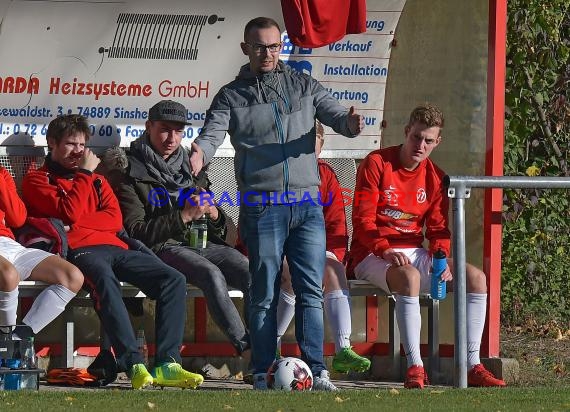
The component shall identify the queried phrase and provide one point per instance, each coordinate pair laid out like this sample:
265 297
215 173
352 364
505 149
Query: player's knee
61 272
9 278
476 280
404 280
73 278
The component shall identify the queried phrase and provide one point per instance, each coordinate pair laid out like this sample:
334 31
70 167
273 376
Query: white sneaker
260 381
323 382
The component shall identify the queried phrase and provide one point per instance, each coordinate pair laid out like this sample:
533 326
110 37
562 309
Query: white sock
8 307
285 313
47 306
410 324
337 309
476 311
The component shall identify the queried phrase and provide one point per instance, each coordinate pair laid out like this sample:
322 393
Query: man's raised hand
355 121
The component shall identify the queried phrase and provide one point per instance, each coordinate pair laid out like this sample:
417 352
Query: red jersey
333 211
82 200
391 206
12 209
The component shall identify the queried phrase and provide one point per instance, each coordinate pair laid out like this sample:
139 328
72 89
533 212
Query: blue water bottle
439 263
12 381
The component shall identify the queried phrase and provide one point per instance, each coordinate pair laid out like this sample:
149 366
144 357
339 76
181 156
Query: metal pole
458 195
508 182
459 189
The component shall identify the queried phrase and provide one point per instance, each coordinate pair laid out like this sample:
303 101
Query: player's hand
447 275
196 159
395 258
355 121
89 160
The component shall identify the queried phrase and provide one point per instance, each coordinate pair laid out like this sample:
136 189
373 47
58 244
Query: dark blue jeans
271 232
104 267
212 269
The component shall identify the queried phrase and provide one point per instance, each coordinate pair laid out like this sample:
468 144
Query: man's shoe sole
178 384
144 385
346 369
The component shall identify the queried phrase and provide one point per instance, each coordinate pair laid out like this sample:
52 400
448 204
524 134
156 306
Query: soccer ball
289 374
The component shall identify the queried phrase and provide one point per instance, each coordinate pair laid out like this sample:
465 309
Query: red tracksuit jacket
82 200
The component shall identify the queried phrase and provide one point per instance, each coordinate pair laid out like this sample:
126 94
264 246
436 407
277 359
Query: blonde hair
427 114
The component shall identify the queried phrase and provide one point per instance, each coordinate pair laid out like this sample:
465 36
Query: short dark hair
259 23
68 125
427 114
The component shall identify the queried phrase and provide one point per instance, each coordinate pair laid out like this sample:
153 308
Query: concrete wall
441 57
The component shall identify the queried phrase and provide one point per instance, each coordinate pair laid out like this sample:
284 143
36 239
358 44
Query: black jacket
155 221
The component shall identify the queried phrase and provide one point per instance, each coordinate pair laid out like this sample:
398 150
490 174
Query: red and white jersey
392 205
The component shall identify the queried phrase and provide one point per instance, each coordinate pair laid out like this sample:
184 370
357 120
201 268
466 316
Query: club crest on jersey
421 195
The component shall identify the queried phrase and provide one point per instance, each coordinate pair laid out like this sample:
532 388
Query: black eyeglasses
260 48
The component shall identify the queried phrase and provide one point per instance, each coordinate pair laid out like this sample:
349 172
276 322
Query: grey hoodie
271 122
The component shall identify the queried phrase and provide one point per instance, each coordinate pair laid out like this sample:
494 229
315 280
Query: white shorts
24 259
373 269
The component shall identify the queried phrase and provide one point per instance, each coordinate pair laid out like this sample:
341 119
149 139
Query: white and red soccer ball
289 374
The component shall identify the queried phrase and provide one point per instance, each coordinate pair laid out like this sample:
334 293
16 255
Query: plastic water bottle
29 361
438 287
13 380
6 349
143 347
198 233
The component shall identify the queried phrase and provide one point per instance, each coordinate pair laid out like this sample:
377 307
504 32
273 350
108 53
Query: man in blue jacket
269 112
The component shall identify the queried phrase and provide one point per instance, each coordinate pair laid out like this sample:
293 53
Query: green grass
510 399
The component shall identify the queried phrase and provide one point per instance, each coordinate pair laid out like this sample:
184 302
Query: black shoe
104 368
248 378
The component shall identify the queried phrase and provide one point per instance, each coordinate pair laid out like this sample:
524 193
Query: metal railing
459 189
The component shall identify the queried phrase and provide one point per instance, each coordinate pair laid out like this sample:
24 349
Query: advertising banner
112 60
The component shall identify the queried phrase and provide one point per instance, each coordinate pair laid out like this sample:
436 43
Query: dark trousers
104 267
212 269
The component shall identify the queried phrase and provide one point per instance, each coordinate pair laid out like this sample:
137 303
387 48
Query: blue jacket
271 122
